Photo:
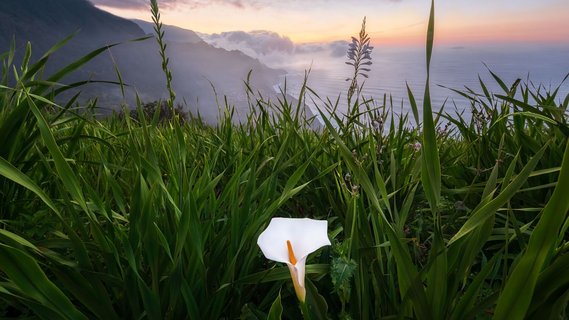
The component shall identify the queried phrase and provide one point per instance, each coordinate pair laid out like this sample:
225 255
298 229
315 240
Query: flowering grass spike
359 56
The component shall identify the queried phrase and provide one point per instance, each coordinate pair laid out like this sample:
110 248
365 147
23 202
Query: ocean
451 67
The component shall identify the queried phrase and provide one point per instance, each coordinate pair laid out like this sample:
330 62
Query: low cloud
334 49
258 42
276 50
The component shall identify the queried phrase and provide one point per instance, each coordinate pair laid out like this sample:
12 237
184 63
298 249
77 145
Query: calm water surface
453 67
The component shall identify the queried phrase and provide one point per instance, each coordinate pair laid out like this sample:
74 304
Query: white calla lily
290 241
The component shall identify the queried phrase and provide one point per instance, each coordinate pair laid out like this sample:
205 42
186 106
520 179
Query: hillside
171 33
193 63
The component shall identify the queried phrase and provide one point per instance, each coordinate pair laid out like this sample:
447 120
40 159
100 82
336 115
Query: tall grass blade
276 311
431 170
515 299
9 171
480 216
26 274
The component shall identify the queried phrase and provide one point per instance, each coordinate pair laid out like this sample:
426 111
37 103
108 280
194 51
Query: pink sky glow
403 22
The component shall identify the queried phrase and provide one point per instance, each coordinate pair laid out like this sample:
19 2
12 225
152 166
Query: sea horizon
452 67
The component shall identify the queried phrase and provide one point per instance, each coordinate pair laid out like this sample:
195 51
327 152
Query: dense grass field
156 216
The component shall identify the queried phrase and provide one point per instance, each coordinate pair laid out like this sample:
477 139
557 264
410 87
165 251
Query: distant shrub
166 114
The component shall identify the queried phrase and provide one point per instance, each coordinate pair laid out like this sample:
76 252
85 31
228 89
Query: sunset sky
401 22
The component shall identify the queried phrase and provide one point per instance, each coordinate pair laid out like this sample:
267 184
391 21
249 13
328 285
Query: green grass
119 218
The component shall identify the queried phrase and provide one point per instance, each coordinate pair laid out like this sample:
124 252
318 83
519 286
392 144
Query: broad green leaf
481 215
25 273
276 309
516 297
12 173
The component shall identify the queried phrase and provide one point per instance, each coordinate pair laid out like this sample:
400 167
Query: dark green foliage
143 217
159 109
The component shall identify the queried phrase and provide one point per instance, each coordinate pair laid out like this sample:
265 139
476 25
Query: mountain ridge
195 65
171 33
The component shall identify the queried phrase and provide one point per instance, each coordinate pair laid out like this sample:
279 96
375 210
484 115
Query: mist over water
452 67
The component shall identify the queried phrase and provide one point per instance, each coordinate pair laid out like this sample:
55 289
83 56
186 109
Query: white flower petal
297 273
300 267
305 236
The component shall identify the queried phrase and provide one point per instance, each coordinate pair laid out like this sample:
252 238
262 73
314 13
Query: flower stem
304 310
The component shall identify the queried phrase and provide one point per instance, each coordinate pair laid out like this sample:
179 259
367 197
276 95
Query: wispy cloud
133 4
240 4
193 4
